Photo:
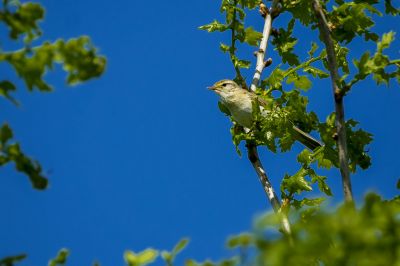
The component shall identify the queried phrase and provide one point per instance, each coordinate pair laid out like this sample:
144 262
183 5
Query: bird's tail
306 139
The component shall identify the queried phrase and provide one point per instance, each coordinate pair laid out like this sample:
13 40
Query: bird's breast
241 111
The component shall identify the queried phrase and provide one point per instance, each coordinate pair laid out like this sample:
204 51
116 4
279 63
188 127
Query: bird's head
225 87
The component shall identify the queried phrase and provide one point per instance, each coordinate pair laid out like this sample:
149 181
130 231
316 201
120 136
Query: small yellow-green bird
240 104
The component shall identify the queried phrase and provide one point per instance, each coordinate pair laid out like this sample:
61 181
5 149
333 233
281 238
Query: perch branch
267 186
260 65
251 147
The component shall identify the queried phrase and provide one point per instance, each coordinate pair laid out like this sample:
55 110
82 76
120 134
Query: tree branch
267 186
263 44
338 96
232 49
251 147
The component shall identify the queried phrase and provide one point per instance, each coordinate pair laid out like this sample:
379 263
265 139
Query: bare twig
338 96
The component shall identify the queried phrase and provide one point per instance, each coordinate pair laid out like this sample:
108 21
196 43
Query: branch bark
267 185
260 65
338 97
251 147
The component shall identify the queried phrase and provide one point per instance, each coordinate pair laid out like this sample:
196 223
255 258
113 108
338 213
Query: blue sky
142 156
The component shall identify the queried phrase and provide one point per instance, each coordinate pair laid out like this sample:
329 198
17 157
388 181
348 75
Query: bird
240 104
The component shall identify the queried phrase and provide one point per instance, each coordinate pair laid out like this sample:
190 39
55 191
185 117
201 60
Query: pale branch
338 97
260 65
267 186
251 147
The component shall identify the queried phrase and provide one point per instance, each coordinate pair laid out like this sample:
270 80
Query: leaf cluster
11 152
377 64
357 141
235 13
78 57
368 236
22 19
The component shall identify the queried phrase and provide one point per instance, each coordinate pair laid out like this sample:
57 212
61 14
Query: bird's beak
212 88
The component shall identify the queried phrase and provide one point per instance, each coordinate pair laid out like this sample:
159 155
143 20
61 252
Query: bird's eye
224 85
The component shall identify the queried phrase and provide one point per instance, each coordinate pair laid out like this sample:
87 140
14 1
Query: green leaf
224 48
167 256
215 26
80 60
298 204
5 134
387 39
180 246
300 82
286 142
242 240
357 140
26 165
390 9
143 258
352 19
147 256
321 181
304 157
78 57
341 57
300 9
241 63
5 88
284 43
24 21
252 37
323 161
10 260
250 4
296 183
275 78
313 49
316 72
60 259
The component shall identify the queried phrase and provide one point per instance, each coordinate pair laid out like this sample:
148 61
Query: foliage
11 152
287 87
77 56
11 260
60 259
345 235
369 235
140 259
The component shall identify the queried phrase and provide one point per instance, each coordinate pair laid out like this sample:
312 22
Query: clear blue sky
143 156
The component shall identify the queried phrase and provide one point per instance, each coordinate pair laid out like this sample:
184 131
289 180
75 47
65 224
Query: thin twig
232 49
338 96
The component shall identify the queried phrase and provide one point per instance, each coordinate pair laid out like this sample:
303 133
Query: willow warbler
240 103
